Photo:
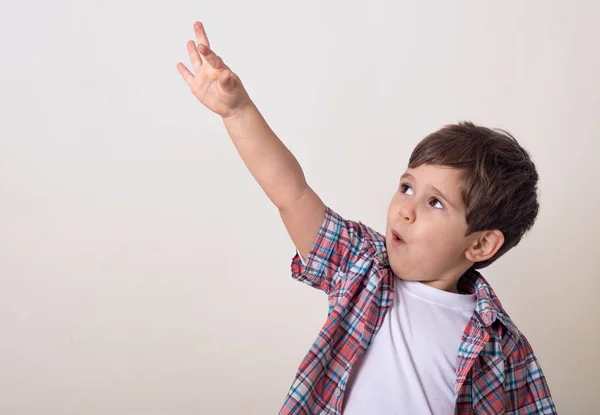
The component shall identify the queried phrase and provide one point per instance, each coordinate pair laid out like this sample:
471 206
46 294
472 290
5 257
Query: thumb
226 80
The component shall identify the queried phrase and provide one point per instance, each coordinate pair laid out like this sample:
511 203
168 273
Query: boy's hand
214 84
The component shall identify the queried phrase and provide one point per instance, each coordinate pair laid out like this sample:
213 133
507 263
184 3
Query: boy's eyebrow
435 189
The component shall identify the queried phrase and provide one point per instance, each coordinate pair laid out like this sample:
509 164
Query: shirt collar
488 307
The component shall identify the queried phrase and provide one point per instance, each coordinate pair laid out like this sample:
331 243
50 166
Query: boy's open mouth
396 237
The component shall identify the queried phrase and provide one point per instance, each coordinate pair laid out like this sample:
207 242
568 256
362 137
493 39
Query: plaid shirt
496 371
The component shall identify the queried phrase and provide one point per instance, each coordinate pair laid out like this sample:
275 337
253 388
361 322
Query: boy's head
468 196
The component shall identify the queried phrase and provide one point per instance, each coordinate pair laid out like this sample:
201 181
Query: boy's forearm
271 164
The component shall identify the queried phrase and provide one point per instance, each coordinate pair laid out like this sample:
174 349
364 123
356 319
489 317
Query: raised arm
271 164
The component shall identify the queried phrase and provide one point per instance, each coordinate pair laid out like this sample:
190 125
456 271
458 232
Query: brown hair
499 180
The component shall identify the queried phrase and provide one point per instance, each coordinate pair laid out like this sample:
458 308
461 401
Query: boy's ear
485 245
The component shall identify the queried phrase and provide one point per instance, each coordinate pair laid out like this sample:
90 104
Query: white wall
143 271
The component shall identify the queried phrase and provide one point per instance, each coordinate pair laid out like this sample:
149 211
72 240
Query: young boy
412 326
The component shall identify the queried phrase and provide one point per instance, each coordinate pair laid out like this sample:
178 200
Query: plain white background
143 271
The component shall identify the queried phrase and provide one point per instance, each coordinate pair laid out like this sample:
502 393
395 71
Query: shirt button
337 392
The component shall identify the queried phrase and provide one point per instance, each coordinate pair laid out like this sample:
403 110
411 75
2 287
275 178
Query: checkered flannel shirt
497 371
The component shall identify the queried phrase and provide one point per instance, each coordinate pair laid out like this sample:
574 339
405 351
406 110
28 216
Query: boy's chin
401 273
399 265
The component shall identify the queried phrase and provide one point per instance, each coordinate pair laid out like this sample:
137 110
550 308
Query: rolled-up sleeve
339 244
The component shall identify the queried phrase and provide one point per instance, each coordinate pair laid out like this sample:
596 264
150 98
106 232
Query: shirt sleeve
526 389
339 245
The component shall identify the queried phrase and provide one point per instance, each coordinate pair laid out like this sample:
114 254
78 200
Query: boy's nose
407 213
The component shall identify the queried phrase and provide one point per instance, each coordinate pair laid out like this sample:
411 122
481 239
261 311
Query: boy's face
428 214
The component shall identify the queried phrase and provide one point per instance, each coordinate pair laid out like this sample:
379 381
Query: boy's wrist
239 111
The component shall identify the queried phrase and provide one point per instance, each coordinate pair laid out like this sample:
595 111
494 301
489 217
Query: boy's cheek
435 241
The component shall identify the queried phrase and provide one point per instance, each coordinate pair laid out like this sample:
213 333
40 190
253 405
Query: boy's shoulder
376 238
490 312
371 241
507 358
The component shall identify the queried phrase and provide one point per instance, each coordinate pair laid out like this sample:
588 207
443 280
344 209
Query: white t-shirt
410 365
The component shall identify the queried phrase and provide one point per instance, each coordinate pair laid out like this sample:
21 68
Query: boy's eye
404 187
407 190
437 204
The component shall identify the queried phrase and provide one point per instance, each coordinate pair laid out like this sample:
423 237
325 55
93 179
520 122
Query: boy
401 305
